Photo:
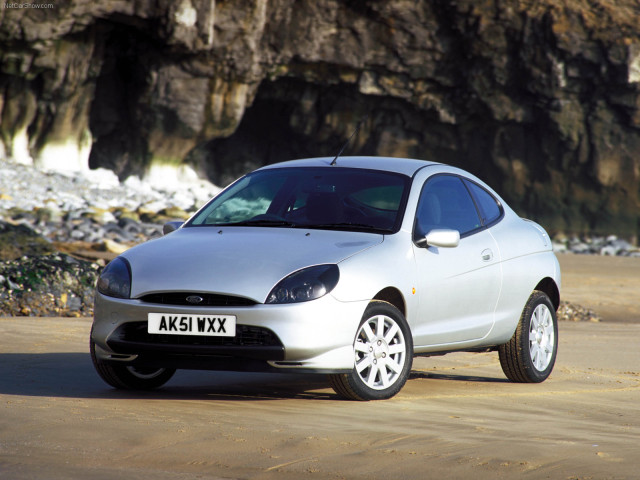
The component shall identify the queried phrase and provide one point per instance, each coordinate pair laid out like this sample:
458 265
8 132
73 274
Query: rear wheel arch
548 286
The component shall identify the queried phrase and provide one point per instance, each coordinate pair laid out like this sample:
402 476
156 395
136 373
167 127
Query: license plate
204 325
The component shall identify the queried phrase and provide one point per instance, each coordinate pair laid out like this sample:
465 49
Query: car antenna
347 142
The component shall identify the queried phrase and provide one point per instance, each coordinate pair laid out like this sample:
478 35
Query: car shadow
458 378
71 375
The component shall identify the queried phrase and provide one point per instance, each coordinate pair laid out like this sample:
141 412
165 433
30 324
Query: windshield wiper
258 223
349 226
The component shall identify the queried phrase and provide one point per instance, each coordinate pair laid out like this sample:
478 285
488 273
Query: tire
531 353
127 377
383 351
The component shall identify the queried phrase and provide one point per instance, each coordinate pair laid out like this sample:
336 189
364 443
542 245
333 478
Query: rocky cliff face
539 97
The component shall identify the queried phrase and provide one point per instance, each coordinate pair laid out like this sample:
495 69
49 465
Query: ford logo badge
195 299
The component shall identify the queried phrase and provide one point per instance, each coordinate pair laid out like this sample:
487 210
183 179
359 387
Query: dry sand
608 285
457 417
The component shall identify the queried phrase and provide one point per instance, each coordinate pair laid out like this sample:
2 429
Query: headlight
115 279
306 284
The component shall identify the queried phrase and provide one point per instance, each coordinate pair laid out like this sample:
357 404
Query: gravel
595 245
58 230
94 206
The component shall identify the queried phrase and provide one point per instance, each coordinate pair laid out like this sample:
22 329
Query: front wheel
383 355
531 353
128 377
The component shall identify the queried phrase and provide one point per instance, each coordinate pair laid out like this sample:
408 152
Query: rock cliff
541 98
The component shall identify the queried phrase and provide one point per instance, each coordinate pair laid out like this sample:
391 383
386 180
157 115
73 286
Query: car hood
240 261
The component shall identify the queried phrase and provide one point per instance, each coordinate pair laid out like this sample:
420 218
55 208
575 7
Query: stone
113 247
16 239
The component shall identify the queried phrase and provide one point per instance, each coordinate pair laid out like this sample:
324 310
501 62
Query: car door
458 288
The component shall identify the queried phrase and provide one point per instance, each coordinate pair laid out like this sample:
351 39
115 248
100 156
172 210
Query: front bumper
310 336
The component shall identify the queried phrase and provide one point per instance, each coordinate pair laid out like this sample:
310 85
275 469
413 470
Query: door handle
487 255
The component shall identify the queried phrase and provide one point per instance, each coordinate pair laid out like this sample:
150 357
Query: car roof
406 166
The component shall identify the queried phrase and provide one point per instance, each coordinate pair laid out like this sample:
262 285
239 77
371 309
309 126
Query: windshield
309 197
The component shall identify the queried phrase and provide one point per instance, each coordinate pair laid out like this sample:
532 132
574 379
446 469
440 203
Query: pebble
576 313
94 206
83 214
595 245
47 285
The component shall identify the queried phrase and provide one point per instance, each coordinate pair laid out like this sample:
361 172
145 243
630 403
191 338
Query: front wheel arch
394 297
126 377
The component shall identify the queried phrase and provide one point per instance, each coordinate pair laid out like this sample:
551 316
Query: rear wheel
127 377
383 355
530 355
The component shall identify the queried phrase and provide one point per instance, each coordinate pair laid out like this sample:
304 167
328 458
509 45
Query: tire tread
340 384
513 355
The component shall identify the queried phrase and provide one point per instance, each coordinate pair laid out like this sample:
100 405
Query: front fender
390 264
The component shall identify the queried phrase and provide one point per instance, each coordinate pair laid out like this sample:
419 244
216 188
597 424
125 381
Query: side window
445 203
490 209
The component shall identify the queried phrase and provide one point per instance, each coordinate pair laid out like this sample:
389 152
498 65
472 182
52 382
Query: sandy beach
610 286
457 417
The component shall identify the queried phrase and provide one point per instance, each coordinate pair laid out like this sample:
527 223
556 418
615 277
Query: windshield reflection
311 197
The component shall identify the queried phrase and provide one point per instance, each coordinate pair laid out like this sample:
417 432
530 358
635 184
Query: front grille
246 336
208 299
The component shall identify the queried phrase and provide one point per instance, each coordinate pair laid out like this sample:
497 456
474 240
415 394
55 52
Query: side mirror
170 227
441 238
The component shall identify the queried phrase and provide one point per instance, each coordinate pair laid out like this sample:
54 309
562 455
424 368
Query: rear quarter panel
526 258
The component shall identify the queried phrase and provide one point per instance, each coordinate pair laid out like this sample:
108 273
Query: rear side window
490 209
445 202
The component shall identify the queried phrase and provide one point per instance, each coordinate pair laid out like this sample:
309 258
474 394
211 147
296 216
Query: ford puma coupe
348 267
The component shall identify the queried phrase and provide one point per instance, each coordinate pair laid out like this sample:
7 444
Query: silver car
348 267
